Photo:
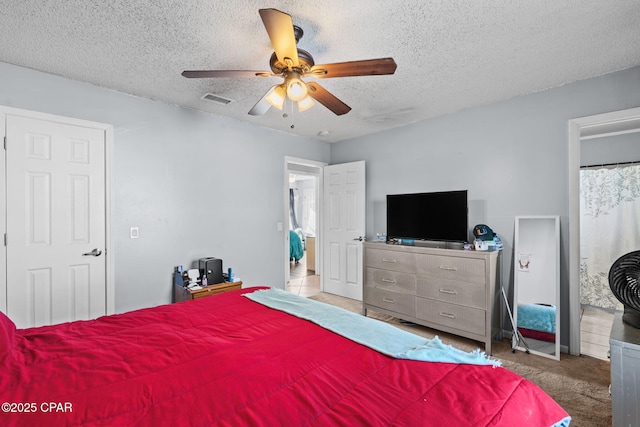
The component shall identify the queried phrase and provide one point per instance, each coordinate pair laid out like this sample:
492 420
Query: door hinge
5 143
5 239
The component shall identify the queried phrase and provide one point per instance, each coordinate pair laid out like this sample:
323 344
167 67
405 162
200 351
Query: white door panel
56 213
344 225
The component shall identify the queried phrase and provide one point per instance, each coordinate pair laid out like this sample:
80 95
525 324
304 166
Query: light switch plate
134 233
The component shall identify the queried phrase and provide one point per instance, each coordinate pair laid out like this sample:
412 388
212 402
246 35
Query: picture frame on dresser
451 290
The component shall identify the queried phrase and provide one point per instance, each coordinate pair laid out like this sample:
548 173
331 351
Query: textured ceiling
451 55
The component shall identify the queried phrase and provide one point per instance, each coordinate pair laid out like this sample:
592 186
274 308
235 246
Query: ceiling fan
293 64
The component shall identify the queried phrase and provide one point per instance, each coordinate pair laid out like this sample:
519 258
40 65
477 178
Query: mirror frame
549 242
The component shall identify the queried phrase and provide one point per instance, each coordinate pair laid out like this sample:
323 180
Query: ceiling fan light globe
305 104
296 89
276 97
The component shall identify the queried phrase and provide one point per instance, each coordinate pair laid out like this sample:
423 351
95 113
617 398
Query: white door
56 225
343 229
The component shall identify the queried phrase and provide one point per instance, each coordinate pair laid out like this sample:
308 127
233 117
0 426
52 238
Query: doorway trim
109 253
320 169
599 125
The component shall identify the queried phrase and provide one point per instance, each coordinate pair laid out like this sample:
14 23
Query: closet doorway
302 225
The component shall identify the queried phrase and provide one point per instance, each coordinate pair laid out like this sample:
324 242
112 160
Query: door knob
94 252
360 238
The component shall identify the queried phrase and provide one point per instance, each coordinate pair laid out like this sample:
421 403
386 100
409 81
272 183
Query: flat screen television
441 216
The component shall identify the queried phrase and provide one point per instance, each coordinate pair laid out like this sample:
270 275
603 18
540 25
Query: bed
296 248
227 360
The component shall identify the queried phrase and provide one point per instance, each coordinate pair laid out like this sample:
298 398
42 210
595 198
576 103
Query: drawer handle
449 315
444 267
390 301
448 291
389 260
388 281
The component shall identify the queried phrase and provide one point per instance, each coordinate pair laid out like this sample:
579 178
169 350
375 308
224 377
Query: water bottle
230 274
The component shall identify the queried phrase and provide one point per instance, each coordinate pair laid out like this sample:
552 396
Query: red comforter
225 360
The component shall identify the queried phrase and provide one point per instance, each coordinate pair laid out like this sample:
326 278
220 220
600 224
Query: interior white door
56 221
343 229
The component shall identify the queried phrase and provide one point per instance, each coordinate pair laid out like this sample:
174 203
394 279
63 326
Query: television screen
428 216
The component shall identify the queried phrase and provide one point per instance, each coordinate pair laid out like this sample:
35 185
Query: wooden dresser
451 290
183 294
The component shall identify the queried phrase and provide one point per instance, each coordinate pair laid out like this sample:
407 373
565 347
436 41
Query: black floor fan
624 281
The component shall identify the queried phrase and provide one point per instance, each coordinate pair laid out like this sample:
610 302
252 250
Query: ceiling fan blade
367 67
327 99
279 26
201 74
263 105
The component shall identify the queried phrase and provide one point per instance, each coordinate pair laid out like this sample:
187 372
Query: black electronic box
211 268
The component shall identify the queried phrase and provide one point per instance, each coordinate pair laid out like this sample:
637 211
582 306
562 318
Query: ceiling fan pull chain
291 105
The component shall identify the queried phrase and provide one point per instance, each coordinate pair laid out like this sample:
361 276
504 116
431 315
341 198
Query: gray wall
610 149
512 157
200 185
195 184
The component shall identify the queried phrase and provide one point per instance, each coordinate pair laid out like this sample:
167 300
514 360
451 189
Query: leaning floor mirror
536 289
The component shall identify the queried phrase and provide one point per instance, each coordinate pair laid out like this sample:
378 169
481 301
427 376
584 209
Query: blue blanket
537 317
296 250
380 336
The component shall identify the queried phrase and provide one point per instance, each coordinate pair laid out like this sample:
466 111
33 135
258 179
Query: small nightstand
183 294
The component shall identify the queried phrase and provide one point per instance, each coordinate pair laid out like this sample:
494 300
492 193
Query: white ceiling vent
216 98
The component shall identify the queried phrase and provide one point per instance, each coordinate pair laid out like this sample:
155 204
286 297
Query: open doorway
582 130
609 228
302 219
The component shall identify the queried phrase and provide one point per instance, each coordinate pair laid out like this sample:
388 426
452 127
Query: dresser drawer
390 280
453 291
452 268
451 315
184 294
393 301
215 289
390 260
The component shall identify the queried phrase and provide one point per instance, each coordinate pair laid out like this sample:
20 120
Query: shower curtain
293 197
609 228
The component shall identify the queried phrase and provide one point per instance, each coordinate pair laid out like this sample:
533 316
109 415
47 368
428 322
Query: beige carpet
580 384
